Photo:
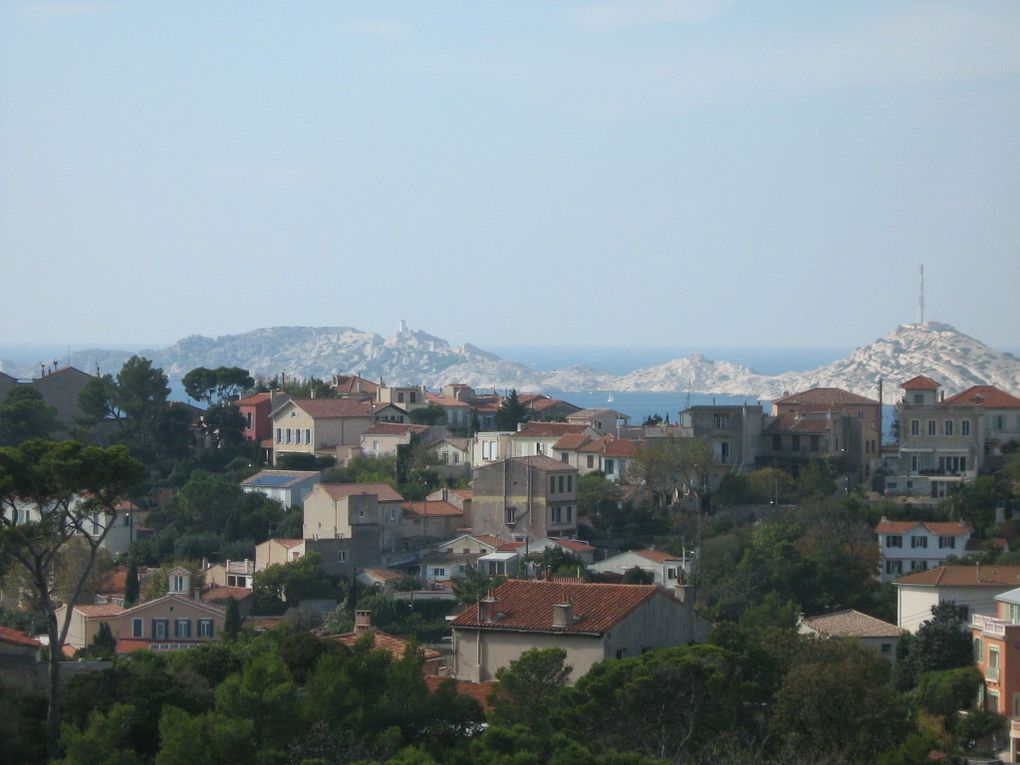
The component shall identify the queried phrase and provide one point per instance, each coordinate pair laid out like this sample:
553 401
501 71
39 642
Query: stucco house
274 551
288 487
591 622
332 509
538 438
525 498
996 640
908 546
667 568
972 588
383 438
328 426
849 623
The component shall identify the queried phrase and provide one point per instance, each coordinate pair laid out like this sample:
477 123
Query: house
333 510
549 409
667 568
580 550
1001 418
384 438
617 456
382 579
406 397
972 588
996 639
471 544
458 411
732 432
602 421
537 438
525 497
867 630
591 622
431 519
175 621
324 426
220 596
16 645
353 386
941 444
288 487
382 641
453 455
238 574
907 546
459 498
491 446
274 551
256 411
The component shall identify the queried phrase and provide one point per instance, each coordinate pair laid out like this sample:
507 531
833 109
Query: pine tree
511 412
131 585
232 622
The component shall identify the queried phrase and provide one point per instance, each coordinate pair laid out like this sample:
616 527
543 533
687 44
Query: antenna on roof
920 298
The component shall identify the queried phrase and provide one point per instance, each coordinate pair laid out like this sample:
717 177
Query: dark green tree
131 584
527 689
103 645
142 392
428 415
98 400
25 415
940 643
216 385
511 412
55 476
232 620
638 575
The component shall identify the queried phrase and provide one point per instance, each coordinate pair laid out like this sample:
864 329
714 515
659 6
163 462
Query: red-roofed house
435 519
15 644
602 421
525 498
256 411
591 622
908 546
335 510
274 551
668 569
538 438
383 641
1001 416
326 426
383 438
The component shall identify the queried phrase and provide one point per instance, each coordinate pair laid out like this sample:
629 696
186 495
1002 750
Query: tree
103 741
474 585
232 620
142 392
217 388
671 468
526 690
131 585
511 412
98 400
940 643
948 691
24 415
637 575
52 477
428 415
103 645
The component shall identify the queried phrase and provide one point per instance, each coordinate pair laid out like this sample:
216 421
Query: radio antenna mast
920 299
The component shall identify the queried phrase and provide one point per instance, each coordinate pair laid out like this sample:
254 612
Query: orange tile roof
383 491
383 641
942 529
599 445
114 582
621 447
573 544
487 539
394 429
851 623
477 691
569 441
463 493
826 397
333 407
216 594
447 402
100 611
253 399
920 383
528 606
432 508
354 384
965 576
386 574
17 637
659 556
987 395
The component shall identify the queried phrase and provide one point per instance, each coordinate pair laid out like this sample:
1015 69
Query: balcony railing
240 567
989 625
992 673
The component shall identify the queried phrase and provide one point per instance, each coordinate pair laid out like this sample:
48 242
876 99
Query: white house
867 630
288 487
907 546
971 588
667 568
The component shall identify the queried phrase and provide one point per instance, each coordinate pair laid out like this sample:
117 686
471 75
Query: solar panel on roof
271 480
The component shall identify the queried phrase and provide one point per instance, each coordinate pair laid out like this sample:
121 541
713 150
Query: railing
992 673
240 567
989 625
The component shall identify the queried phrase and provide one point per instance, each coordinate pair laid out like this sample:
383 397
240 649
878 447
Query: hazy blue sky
662 173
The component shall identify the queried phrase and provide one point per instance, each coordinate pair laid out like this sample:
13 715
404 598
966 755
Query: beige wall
326 432
170 608
272 552
81 630
479 653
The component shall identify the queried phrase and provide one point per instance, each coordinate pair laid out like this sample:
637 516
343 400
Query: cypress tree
232 622
131 585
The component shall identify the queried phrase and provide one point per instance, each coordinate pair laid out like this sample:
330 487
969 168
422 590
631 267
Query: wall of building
478 654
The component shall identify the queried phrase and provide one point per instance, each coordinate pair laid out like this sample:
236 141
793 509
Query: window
1014 613
308 435
178 583
297 435
555 515
393 513
564 457
724 452
400 398
915 427
796 444
894 567
978 657
562 480
964 427
456 458
570 483
279 435
721 420
964 612
916 542
932 428
816 443
205 628
893 540
552 484
591 460
671 573
488 450
947 543
341 556
287 436
160 629
999 422
915 463
608 465
247 420
777 443
136 628
570 513
887 648
949 427
413 397
918 398
511 516
182 628
466 551
439 572
918 565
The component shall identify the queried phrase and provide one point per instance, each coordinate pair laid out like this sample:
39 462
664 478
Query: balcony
240 567
992 673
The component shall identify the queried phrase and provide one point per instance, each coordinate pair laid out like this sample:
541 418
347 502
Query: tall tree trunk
53 710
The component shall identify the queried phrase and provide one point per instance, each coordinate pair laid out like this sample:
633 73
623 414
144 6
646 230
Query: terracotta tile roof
621 447
571 441
383 641
851 623
541 404
599 445
17 637
253 399
463 493
287 543
385 574
920 383
508 546
658 556
987 395
477 691
394 429
573 544
217 594
529 398
588 414
548 429
130 645
353 384
965 576
487 539
938 528
383 491
825 397
114 582
326 408
447 402
432 508
528 606
788 423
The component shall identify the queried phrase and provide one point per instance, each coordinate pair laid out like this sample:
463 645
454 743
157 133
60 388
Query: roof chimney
362 620
487 609
562 615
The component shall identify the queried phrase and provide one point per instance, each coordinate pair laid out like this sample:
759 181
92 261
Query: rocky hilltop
413 357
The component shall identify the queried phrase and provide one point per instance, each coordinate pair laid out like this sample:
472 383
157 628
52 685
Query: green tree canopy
511 412
25 415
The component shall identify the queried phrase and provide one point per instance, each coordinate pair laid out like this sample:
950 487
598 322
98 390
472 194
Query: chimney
562 615
683 592
487 609
196 594
362 621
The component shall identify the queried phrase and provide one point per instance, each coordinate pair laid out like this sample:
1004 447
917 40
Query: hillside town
345 570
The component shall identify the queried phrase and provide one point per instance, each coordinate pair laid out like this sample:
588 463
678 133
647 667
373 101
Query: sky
696 173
